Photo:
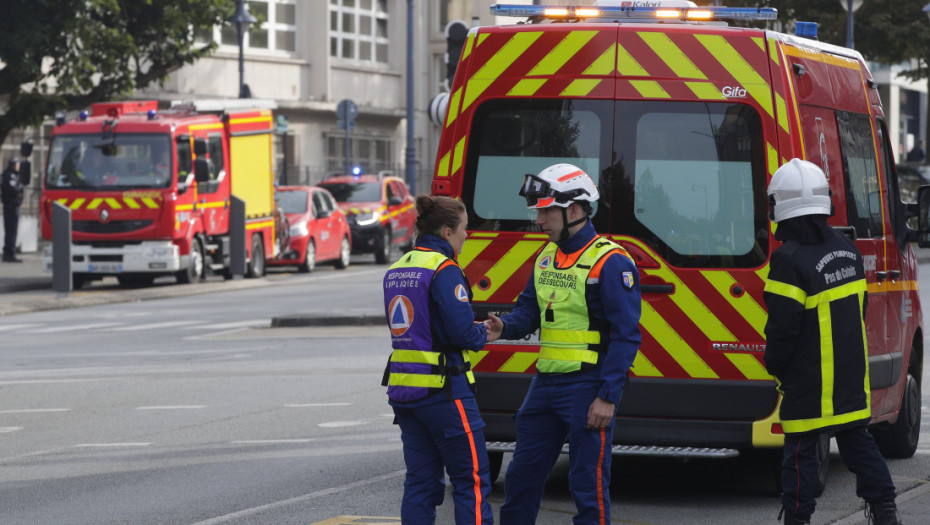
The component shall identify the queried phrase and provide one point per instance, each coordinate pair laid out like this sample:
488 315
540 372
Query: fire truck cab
681 119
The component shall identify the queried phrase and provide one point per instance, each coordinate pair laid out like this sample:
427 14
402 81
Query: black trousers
10 226
859 452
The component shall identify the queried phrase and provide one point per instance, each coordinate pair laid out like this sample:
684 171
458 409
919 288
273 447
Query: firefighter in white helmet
584 297
816 345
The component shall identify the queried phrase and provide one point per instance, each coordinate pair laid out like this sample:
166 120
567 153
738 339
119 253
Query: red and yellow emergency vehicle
149 190
681 119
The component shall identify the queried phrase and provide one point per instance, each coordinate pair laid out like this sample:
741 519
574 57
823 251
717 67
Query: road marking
172 407
34 410
57 329
44 381
271 441
314 405
353 520
257 323
300 499
4 328
154 326
6 430
340 424
107 445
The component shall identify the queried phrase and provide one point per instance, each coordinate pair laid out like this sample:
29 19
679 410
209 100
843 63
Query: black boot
791 518
882 513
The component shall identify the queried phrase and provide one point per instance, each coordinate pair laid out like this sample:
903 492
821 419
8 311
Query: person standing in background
11 194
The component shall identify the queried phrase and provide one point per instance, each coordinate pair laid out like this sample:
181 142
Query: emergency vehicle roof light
151 114
83 115
806 30
615 12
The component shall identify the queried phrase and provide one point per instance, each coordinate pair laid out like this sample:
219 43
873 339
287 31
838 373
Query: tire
196 271
310 260
495 460
900 439
257 262
383 255
345 253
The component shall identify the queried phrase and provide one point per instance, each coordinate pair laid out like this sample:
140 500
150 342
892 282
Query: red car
380 210
318 231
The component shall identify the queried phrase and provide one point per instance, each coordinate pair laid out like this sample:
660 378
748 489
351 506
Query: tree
885 31
65 54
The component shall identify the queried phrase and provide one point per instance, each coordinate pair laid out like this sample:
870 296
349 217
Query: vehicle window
687 178
217 163
124 161
330 203
863 200
185 172
693 176
389 192
291 201
510 138
319 205
354 192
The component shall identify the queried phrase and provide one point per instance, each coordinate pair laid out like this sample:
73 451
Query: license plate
105 268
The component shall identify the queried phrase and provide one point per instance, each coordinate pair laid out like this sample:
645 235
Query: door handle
894 274
881 276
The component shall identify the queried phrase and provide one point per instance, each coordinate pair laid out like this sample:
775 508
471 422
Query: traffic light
456 33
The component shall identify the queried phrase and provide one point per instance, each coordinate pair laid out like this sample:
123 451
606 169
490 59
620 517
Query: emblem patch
628 280
545 262
400 313
461 293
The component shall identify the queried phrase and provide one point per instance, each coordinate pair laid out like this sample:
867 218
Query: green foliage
65 54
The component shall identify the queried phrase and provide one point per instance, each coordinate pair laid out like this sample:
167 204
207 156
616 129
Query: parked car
910 178
317 230
380 210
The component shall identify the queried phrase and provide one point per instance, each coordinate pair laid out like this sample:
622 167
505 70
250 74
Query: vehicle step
639 450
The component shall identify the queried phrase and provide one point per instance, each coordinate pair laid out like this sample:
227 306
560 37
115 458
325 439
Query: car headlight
299 230
364 219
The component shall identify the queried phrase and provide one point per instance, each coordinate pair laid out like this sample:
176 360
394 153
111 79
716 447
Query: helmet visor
535 190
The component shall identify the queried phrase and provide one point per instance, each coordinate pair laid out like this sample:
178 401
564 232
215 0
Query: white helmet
558 185
798 188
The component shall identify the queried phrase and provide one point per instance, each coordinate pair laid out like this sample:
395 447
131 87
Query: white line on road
270 441
34 410
172 407
4 328
106 445
257 323
153 326
5 430
76 327
299 499
313 405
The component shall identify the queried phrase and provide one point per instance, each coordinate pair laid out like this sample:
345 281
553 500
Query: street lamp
850 6
243 20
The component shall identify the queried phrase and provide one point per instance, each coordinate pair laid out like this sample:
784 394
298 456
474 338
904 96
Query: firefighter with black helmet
584 297
816 345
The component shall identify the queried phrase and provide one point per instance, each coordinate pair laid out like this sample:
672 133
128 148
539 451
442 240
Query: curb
294 321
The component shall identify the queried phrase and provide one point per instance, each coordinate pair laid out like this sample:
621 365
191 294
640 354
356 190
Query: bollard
236 237
61 249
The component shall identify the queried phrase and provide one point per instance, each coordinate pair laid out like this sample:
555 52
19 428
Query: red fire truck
149 190
681 119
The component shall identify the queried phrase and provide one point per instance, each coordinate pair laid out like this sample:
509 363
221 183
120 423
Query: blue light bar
695 14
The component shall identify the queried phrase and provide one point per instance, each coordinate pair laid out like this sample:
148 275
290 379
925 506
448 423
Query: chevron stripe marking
567 48
744 73
643 368
674 345
506 266
745 305
705 90
604 64
526 87
131 203
150 203
457 156
519 362
672 55
497 64
748 365
627 65
453 111
94 203
580 87
650 89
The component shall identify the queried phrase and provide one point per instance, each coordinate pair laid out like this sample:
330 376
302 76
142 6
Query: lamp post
850 6
243 20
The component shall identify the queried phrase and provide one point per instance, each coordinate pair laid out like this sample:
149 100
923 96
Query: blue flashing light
151 114
83 115
672 10
357 170
806 30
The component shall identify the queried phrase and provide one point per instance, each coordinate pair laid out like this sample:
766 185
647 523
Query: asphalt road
191 410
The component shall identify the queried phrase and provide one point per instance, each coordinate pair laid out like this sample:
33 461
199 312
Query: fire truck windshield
123 161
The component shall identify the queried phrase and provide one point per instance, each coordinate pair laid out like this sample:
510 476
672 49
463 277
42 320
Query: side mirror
395 201
923 217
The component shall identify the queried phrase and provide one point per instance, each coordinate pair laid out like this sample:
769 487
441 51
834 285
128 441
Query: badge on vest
400 313
461 293
544 263
628 280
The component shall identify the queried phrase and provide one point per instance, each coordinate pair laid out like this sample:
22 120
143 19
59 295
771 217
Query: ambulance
681 116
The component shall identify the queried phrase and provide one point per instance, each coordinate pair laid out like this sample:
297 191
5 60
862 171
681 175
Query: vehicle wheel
345 253
900 439
195 272
310 261
495 460
383 255
257 262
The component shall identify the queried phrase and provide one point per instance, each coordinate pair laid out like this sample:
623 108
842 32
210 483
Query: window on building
359 30
277 32
371 154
